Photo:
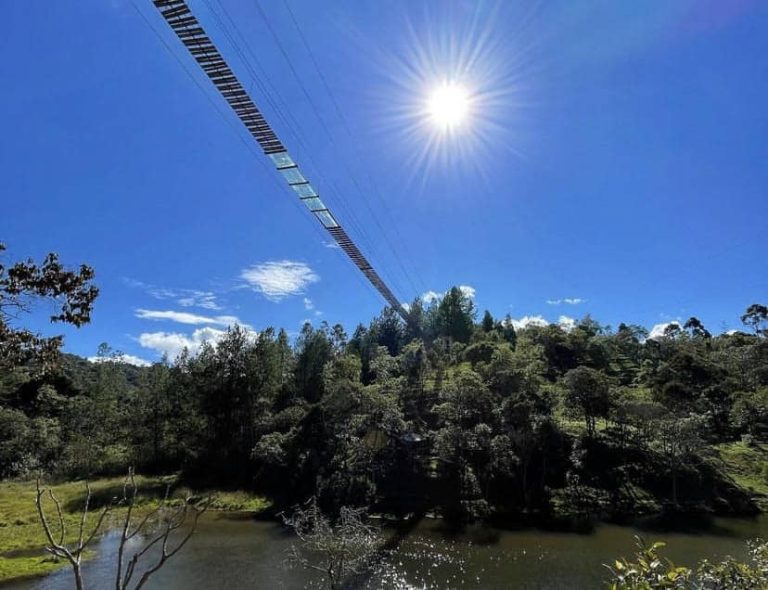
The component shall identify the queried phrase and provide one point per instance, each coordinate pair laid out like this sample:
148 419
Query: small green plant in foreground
652 571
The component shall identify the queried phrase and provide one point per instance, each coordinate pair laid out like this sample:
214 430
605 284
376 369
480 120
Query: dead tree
165 519
59 547
337 549
157 528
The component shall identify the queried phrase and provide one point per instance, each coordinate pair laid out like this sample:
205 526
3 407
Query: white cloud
309 305
128 359
280 278
431 296
567 301
202 299
658 330
183 317
332 245
529 320
183 297
172 343
566 323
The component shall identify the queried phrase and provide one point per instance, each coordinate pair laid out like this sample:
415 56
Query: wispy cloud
183 317
332 245
128 359
279 279
202 299
183 297
567 301
308 303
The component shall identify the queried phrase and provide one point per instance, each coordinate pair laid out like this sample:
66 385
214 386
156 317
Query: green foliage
454 317
431 413
22 284
588 390
22 538
652 571
756 317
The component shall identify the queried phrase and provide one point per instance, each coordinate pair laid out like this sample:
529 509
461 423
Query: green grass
14 568
239 501
22 540
747 465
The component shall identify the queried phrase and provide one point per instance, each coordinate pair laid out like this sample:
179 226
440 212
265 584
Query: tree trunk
78 576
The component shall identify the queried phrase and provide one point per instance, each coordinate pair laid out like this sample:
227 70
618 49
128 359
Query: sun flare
448 105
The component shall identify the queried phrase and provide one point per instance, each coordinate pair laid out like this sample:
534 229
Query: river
236 552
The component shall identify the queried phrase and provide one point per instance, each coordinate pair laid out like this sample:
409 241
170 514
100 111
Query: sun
448 106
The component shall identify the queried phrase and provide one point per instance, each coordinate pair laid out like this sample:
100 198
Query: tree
313 350
756 317
673 331
22 285
466 419
414 321
588 390
488 322
678 440
155 527
456 316
151 415
696 329
387 330
507 329
337 549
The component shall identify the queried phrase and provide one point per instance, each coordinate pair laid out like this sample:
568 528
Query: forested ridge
440 413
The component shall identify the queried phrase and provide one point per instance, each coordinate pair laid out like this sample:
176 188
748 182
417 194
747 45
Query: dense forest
449 412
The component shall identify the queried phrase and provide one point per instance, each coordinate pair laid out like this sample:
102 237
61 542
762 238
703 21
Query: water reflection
234 553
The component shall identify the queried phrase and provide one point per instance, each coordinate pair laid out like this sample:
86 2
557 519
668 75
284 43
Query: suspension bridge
190 32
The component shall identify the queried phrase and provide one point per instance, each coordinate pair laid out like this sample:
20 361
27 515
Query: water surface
233 553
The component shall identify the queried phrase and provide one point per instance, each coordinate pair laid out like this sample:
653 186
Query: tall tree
313 350
756 317
696 329
22 284
488 322
588 390
456 316
414 323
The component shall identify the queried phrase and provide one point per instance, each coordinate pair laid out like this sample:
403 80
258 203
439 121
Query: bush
651 571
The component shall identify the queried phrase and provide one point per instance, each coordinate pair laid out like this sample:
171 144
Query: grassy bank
747 466
22 540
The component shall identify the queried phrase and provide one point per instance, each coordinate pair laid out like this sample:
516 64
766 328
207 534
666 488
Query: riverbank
22 540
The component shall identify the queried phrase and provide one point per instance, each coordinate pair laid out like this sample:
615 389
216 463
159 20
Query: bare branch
175 522
58 549
84 515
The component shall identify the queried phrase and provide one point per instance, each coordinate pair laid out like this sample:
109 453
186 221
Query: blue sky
615 161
